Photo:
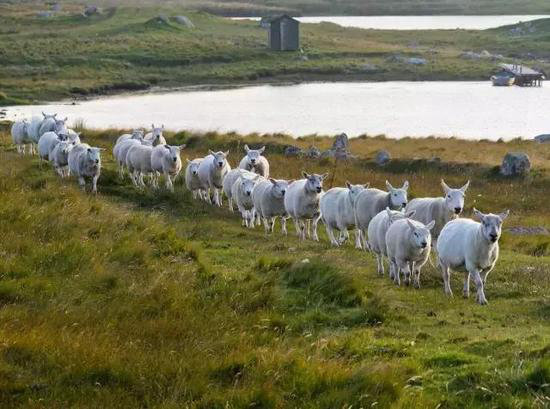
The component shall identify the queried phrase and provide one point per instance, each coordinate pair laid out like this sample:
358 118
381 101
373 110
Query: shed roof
283 17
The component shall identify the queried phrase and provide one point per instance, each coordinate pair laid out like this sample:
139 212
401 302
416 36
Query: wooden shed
284 34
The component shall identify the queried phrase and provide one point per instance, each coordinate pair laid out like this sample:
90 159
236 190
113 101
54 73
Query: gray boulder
91 10
341 142
416 61
312 152
184 21
382 157
515 164
544 138
44 14
292 151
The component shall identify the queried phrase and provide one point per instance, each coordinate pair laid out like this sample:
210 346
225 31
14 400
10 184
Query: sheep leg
407 268
94 183
283 225
484 274
380 264
416 270
466 290
396 273
297 226
315 223
82 183
266 225
330 234
358 244
169 183
446 279
479 285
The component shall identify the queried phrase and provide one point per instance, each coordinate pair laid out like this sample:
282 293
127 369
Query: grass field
124 49
148 299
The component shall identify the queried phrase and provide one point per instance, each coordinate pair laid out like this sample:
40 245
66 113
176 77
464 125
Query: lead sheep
138 163
337 210
20 136
165 159
268 199
253 161
155 137
212 171
192 181
440 209
408 245
85 162
377 230
229 180
371 202
302 203
241 192
472 247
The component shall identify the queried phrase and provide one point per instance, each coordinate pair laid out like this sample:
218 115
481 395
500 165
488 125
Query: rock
44 14
544 138
368 68
313 152
184 21
382 157
416 61
527 231
160 19
341 142
56 7
91 10
515 164
292 151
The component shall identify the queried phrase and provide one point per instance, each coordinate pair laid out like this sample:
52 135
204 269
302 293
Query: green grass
125 49
149 299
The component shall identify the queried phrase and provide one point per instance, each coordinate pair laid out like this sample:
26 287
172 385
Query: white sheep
212 171
136 134
165 159
33 129
47 142
440 209
337 210
73 136
253 161
302 203
377 229
138 162
59 156
155 137
192 181
229 180
372 201
268 199
85 162
120 151
20 136
408 245
471 247
52 124
241 192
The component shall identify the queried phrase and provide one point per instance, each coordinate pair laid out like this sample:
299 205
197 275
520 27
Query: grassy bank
142 299
127 48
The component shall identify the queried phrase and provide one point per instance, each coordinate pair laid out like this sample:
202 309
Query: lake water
472 110
420 22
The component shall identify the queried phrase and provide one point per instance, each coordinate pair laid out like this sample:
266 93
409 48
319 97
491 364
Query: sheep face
47 116
66 147
279 188
220 158
157 132
454 198
94 156
137 134
173 152
247 186
491 224
60 127
314 182
253 155
398 197
355 190
420 237
193 167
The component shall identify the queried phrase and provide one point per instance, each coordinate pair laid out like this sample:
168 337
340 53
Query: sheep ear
211 152
388 212
445 187
291 181
504 215
324 176
465 187
348 185
162 127
66 118
273 181
430 225
410 214
167 146
55 116
366 185
406 185
246 148
226 153
182 146
153 126
43 114
262 149
187 159
304 174
411 225
478 214
389 186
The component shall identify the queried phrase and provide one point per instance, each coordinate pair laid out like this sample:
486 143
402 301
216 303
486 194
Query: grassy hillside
69 56
147 299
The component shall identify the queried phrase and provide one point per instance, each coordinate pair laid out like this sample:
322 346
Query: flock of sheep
385 222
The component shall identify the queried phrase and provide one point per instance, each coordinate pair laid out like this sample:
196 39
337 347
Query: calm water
421 22
471 110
